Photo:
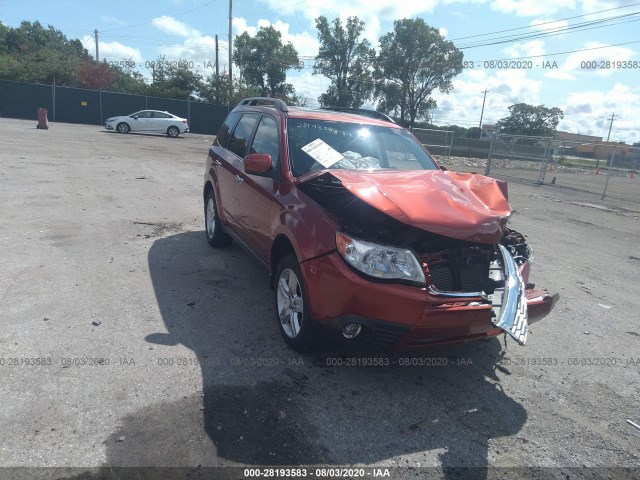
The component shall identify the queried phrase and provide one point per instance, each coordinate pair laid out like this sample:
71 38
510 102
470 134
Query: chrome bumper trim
513 309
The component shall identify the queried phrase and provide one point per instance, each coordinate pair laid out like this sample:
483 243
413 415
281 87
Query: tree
217 89
264 61
32 53
525 119
414 60
346 60
173 81
474 132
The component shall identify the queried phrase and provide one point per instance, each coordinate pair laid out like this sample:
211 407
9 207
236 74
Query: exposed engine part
517 245
449 264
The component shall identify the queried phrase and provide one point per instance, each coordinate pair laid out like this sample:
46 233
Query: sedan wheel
296 326
173 132
123 128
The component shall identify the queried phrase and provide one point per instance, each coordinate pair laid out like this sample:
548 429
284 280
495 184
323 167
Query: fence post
606 182
543 170
487 169
53 95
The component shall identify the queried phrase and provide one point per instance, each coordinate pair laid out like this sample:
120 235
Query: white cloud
505 87
111 50
588 112
596 56
443 31
531 8
534 48
372 13
172 26
305 43
309 85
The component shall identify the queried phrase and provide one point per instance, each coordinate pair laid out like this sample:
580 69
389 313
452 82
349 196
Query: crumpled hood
464 206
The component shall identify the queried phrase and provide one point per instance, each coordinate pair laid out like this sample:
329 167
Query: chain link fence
519 156
604 169
438 142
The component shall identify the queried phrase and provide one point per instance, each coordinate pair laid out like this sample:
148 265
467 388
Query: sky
579 55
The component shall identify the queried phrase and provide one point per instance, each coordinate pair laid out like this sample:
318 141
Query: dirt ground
127 341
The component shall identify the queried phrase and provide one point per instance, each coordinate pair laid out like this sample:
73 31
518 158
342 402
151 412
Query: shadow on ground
287 409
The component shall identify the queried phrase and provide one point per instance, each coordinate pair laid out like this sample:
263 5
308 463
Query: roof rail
265 101
362 111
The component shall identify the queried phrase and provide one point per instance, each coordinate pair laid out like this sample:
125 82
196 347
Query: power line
174 15
559 31
544 23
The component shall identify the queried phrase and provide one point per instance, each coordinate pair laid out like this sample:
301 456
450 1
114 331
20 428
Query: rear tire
173 132
292 312
212 225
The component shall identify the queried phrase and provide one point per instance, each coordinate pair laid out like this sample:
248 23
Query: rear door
255 195
228 162
160 122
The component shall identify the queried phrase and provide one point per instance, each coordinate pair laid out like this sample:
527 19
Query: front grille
461 270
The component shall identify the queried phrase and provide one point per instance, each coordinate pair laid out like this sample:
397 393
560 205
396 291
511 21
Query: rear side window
266 139
241 135
227 126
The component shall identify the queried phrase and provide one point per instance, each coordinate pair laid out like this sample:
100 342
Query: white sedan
148 121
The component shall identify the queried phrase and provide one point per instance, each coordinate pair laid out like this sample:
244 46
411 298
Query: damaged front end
448 237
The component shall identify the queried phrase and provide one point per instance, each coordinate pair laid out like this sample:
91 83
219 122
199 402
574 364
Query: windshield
320 144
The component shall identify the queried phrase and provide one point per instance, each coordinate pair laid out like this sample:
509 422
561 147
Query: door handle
217 162
239 179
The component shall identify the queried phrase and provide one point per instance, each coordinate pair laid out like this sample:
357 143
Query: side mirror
257 164
442 167
135 117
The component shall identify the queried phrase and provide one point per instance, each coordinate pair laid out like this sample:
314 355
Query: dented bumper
405 317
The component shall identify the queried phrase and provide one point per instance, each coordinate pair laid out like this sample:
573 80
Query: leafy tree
474 132
217 89
173 81
525 119
96 76
414 60
346 60
264 61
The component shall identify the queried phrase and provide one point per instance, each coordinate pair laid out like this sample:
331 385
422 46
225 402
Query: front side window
239 140
266 140
143 114
320 144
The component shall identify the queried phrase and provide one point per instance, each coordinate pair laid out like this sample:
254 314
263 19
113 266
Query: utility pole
217 77
95 32
217 60
482 112
230 45
613 116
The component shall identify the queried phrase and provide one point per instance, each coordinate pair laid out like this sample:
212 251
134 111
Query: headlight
380 261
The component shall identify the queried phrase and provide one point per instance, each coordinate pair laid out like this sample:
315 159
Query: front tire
212 226
292 311
123 127
173 132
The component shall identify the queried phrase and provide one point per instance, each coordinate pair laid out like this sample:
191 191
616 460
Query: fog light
351 330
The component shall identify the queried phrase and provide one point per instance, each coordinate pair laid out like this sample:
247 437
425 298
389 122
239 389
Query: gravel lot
127 341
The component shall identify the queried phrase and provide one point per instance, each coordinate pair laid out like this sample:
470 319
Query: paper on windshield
322 153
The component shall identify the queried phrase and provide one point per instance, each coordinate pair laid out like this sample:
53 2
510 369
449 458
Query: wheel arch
280 247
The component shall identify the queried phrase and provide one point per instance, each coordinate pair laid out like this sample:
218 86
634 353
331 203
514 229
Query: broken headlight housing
380 261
